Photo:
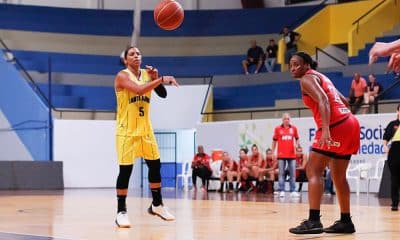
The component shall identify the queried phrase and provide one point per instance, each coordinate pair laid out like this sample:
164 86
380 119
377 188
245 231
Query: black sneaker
308 227
395 208
340 227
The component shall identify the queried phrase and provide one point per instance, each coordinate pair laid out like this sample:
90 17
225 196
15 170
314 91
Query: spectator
229 170
286 136
201 167
374 88
270 55
255 55
301 163
291 38
392 135
270 171
357 90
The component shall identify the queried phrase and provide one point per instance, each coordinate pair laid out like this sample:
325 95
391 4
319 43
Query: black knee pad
154 170
123 176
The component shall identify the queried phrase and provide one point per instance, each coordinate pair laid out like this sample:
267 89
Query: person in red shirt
229 170
301 163
201 167
243 159
269 170
286 136
337 138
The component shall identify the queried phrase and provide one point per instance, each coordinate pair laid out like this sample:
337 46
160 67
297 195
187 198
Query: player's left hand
394 62
152 71
325 139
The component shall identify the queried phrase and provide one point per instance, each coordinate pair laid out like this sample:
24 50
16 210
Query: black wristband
162 79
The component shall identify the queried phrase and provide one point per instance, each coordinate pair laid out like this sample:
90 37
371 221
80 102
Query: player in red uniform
337 138
229 170
269 170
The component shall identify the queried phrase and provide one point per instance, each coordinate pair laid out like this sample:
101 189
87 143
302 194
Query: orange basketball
168 14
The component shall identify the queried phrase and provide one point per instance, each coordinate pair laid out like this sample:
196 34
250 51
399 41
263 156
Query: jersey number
141 111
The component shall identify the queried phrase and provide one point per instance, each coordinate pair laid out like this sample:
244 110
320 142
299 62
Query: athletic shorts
346 137
129 148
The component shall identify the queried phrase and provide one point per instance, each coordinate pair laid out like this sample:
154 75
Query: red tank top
339 111
299 160
243 162
269 162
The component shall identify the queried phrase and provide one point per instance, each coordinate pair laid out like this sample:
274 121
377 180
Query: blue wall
66 20
120 23
230 22
25 111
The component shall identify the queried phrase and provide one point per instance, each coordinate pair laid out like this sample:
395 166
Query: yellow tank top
396 136
133 118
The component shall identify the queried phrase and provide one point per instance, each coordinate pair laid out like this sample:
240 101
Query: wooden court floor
90 214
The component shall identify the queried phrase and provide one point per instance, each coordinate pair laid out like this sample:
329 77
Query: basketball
168 14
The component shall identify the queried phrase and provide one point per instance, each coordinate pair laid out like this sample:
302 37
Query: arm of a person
343 99
310 86
122 81
273 146
303 162
351 93
297 36
375 91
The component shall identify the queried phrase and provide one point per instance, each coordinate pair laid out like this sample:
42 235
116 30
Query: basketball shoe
161 211
122 220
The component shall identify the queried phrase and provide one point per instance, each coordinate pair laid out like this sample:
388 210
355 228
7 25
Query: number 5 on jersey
141 111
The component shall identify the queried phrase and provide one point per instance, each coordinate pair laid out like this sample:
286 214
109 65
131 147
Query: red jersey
299 162
339 111
201 160
254 160
342 123
243 162
269 161
286 139
231 165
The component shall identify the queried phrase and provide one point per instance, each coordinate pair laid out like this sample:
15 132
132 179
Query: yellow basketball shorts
131 147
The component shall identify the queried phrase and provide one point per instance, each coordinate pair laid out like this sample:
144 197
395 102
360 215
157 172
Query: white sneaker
276 193
162 212
294 194
281 194
122 220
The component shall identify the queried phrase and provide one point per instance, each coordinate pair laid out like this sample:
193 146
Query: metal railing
317 50
367 13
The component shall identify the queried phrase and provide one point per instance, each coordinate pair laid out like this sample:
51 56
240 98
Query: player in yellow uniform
134 133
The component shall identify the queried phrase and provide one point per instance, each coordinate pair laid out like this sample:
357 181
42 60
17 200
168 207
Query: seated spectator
201 167
374 88
252 168
270 55
357 90
229 171
301 163
291 38
269 172
255 55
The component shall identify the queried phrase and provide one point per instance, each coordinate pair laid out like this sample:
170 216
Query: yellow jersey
133 118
